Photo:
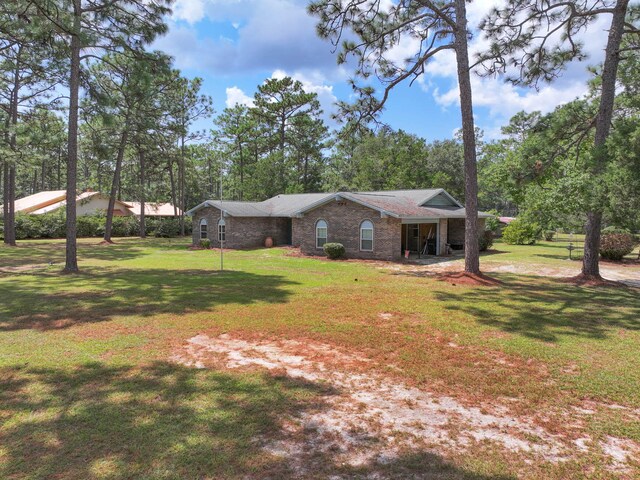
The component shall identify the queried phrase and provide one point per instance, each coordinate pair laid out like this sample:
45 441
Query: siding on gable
343 226
441 200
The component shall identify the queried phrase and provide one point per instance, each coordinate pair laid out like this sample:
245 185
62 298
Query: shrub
90 225
614 246
485 240
520 232
493 223
205 243
548 235
125 226
613 229
166 227
52 225
334 250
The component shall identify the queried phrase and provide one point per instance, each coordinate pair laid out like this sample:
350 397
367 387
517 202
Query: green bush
614 246
167 227
90 225
334 250
28 226
205 243
492 223
125 226
485 240
52 225
614 229
548 235
520 232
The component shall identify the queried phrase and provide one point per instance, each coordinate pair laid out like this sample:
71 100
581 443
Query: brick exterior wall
456 231
343 221
241 232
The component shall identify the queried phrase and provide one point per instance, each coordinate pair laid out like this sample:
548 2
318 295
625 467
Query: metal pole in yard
220 236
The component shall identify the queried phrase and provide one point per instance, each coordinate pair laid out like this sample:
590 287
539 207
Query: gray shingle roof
396 203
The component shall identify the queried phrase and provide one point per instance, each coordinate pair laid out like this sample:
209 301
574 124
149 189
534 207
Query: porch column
443 237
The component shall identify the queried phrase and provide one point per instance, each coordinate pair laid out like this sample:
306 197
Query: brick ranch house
374 225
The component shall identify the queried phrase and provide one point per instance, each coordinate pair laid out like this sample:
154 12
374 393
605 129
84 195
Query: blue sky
234 45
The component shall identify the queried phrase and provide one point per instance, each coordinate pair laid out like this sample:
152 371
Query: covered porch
422 238
425 237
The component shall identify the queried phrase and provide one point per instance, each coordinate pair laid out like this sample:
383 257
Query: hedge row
52 225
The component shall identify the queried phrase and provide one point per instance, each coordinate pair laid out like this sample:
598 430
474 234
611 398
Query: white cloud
235 96
191 11
268 35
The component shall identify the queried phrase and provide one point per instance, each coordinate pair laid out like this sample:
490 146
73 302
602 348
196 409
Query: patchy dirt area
25 268
623 273
368 419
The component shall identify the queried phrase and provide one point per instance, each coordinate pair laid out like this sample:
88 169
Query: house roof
154 209
39 200
405 204
49 201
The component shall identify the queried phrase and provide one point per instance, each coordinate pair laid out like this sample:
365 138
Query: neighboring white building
153 209
90 203
87 203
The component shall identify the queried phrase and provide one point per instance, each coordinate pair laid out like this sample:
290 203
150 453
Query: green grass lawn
87 389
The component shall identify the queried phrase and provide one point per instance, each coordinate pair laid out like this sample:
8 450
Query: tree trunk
173 189
71 261
10 136
5 197
12 206
181 186
58 168
143 230
471 247
241 170
591 259
115 185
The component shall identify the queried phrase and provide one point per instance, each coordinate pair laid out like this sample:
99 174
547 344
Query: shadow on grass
53 252
100 294
547 309
171 422
576 257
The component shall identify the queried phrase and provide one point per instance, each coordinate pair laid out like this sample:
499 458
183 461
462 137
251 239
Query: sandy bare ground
623 273
368 419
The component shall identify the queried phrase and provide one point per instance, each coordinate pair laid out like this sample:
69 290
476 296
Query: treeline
542 167
125 124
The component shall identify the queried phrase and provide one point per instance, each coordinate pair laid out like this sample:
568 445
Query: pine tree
533 42
372 29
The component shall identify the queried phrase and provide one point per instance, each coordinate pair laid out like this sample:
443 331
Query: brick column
443 237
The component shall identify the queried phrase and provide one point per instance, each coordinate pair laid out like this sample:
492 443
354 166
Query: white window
366 236
321 233
222 233
203 228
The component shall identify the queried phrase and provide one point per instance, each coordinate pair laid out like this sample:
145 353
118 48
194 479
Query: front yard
153 364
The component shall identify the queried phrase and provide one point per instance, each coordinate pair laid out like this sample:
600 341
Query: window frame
204 223
326 232
372 229
222 230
